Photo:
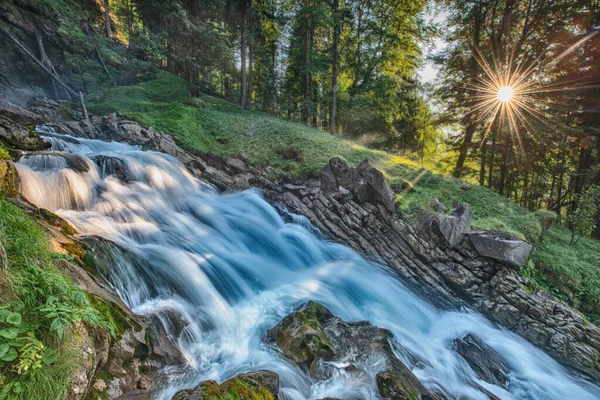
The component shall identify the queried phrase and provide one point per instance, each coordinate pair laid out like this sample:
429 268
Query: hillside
211 124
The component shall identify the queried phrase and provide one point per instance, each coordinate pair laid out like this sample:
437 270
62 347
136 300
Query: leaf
14 319
17 343
10 355
49 356
4 314
4 349
9 333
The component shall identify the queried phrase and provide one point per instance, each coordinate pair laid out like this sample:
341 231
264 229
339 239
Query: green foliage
38 307
4 153
582 222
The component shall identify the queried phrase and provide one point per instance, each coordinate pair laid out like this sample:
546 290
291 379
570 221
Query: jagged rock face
312 336
452 228
451 277
483 360
263 385
512 252
16 128
448 277
367 184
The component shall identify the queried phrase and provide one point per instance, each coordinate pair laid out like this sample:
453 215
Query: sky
428 71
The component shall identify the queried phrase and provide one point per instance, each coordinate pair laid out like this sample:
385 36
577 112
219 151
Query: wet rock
314 338
253 385
301 337
483 360
110 165
396 386
452 228
510 251
367 184
73 161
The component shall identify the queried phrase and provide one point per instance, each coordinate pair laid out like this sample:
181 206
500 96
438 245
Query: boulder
16 128
483 360
110 165
315 339
18 114
373 187
452 228
49 110
503 248
439 207
366 183
301 337
237 165
253 385
74 161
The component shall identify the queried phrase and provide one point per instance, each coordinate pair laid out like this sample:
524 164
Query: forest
310 199
351 68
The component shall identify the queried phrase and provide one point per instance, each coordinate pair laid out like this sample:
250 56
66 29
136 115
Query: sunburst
507 93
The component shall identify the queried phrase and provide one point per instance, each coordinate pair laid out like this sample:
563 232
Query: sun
505 94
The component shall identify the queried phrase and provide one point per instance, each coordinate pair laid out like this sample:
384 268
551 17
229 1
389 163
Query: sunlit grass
212 124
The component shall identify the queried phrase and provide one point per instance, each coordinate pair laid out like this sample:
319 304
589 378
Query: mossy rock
301 337
9 179
395 386
260 385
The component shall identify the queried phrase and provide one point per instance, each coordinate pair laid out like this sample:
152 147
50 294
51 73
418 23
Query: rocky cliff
450 265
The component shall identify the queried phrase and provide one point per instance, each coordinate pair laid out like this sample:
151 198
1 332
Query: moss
74 249
235 389
112 313
9 180
55 220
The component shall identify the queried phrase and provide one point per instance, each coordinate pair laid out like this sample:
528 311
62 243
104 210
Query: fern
30 358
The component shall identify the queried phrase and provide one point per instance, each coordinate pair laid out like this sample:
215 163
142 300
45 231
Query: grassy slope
211 124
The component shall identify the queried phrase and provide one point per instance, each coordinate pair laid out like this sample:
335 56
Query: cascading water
232 268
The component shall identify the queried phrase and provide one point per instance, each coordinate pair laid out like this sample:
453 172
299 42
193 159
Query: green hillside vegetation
211 124
42 313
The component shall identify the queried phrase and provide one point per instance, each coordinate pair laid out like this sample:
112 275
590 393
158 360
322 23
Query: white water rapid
232 268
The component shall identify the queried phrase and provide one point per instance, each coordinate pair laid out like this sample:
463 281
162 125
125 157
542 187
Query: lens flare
512 95
505 94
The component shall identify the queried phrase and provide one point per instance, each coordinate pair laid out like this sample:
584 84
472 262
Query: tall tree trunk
334 66
250 66
464 148
107 28
596 231
274 81
243 56
492 156
305 109
482 163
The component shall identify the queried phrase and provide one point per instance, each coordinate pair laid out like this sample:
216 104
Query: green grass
212 124
32 279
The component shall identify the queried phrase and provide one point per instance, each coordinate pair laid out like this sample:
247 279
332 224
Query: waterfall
230 267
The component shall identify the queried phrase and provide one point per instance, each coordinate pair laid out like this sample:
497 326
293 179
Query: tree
107 28
582 221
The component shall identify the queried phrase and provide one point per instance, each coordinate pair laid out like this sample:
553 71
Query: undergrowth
38 309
